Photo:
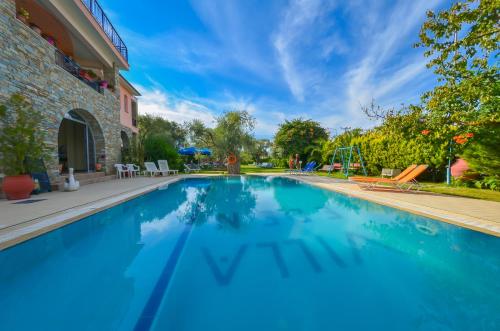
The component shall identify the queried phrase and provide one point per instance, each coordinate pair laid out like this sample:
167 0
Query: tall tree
232 133
174 133
462 43
299 136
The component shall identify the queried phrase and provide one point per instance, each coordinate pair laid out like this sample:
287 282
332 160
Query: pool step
86 178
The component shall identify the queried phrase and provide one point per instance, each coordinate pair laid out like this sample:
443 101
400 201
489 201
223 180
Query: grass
467 192
441 188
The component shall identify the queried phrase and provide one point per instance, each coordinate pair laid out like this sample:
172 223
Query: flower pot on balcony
18 187
103 84
84 74
23 15
36 28
49 39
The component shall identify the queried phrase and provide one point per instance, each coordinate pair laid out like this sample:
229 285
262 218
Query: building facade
128 111
65 57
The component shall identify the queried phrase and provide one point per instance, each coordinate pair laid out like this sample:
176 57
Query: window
125 103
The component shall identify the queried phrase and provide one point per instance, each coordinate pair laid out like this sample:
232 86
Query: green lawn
462 191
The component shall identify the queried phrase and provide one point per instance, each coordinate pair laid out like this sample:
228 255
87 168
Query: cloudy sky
278 59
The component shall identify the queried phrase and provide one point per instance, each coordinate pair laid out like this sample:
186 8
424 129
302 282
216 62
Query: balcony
102 20
74 69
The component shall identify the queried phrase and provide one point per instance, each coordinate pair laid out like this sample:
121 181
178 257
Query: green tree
20 136
199 134
157 148
259 150
232 133
299 136
462 43
174 133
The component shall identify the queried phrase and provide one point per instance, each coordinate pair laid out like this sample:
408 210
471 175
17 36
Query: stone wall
27 66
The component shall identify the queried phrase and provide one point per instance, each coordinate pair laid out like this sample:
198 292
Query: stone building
65 58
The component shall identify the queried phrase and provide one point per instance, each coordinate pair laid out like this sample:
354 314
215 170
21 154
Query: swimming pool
252 253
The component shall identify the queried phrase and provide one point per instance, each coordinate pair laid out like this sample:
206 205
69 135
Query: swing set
345 155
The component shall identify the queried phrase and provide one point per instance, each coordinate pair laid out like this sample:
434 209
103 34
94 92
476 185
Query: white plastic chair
121 170
151 169
133 169
163 164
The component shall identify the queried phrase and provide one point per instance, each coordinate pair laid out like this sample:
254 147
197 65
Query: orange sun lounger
403 183
372 179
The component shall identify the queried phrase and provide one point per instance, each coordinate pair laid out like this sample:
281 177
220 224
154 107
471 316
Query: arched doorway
80 142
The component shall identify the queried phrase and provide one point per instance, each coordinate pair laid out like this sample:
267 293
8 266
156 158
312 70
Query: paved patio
21 221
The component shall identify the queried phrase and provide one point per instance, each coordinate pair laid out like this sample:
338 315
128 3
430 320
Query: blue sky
277 59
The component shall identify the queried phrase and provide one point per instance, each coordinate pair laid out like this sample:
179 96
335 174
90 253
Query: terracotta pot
18 187
36 28
98 167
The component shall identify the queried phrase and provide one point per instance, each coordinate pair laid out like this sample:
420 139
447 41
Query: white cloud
301 17
371 76
318 59
159 103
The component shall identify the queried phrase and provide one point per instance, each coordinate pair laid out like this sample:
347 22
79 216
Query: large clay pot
18 187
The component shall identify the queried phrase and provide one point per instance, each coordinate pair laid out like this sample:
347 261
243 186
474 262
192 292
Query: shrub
157 148
21 139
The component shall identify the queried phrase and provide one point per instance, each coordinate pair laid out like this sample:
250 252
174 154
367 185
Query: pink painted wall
126 117
459 167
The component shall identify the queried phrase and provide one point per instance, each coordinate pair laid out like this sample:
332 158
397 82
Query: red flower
469 135
461 140
425 132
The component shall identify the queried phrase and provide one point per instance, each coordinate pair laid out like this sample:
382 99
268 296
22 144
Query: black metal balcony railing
96 10
73 68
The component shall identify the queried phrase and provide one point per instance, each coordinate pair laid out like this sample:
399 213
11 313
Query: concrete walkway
42 213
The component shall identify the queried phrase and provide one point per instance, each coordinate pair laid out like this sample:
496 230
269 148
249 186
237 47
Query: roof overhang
80 21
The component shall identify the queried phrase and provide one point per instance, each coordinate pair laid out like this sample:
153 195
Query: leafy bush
299 137
157 148
21 139
279 162
134 153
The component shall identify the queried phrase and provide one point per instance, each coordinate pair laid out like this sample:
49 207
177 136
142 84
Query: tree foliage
462 43
299 136
174 133
20 136
157 148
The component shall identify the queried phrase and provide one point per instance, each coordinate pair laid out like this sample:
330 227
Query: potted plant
36 28
84 74
23 15
92 75
21 139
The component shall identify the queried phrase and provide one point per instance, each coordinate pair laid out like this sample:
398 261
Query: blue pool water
252 253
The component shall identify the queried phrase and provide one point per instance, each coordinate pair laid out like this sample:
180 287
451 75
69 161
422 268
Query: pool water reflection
252 253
